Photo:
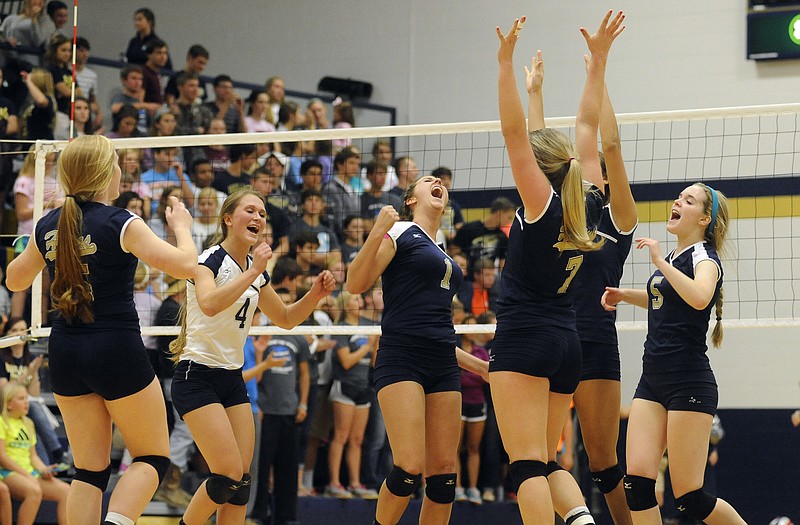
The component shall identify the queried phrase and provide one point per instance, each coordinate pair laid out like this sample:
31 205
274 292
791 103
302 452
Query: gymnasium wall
436 61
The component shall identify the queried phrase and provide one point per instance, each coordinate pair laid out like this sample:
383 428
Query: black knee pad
160 463
97 479
640 492
608 479
221 488
441 488
242 495
526 469
401 483
697 504
553 466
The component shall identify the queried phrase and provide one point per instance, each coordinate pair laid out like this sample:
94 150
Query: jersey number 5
572 267
241 315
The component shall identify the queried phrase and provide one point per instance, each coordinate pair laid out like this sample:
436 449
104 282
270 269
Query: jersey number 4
241 315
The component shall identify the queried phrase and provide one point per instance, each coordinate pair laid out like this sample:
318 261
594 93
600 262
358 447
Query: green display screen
773 34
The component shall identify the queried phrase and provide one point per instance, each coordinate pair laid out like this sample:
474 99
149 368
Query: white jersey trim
544 210
122 231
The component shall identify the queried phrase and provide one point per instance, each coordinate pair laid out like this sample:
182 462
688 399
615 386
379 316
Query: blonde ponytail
555 154
179 343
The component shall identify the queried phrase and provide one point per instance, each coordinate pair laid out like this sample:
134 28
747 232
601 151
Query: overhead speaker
346 88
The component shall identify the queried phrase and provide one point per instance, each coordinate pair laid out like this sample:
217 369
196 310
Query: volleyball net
752 154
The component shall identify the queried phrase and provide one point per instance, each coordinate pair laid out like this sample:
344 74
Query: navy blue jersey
418 287
676 332
600 268
109 266
536 283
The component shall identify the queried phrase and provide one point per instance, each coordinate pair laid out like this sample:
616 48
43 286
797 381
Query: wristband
302 406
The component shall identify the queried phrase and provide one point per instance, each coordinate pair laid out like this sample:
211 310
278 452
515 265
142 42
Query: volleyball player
208 389
676 398
99 367
536 357
416 370
597 398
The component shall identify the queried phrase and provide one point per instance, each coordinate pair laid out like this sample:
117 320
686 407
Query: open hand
509 41
534 77
610 28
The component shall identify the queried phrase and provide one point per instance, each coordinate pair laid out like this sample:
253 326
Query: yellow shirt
19 439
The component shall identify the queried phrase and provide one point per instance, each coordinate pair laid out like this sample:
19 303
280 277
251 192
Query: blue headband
714 209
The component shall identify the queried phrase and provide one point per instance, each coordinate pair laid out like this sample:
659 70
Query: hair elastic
714 209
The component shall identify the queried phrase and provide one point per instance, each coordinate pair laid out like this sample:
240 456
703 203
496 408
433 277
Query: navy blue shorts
692 391
600 361
110 363
551 352
433 367
195 386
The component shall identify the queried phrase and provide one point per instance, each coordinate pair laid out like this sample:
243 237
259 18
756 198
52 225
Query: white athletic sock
579 516
118 519
308 478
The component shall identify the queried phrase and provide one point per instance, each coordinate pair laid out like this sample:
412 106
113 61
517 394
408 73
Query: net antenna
74 53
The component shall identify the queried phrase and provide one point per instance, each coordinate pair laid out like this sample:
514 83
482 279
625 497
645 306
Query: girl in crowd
144 21
24 189
343 118
259 118
57 60
676 398
208 389
124 122
162 125
416 371
38 115
131 201
350 395
158 222
26 475
205 224
597 398
20 367
82 123
536 352
130 162
99 368
30 28
473 418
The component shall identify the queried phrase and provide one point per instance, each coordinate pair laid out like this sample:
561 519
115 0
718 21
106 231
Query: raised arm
375 255
289 316
623 207
36 94
179 261
532 185
533 84
588 117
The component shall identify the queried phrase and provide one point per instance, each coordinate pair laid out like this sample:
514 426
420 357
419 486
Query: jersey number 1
448 272
241 315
